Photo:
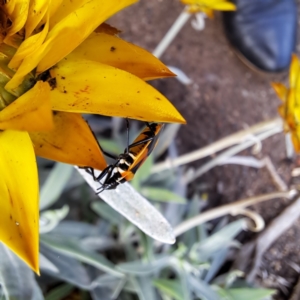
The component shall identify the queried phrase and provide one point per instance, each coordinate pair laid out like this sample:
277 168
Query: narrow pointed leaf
72 248
91 87
19 196
55 184
30 112
71 141
136 209
162 194
68 268
171 288
111 50
16 279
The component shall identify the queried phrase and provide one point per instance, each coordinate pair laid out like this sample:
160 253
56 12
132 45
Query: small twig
230 152
171 34
218 145
255 163
289 146
258 247
227 209
259 223
296 292
276 178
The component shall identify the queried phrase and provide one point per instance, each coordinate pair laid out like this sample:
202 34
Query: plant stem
171 34
221 144
228 209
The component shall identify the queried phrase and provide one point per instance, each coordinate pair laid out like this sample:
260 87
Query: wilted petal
281 90
90 87
19 196
71 141
111 50
30 112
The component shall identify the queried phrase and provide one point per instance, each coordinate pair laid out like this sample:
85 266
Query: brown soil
225 96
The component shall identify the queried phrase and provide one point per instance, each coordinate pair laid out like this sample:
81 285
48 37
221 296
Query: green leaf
59 292
110 146
162 195
170 287
16 279
219 240
143 268
71 248
64 267
49 219
249 293
107 213
55 184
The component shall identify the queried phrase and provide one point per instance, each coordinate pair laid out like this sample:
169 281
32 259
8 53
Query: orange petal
30 112
90 87
71 141
280 89
111 50
296 140
19 222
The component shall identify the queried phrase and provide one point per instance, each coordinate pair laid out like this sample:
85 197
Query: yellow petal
18 16
294 70
280 89
113 51
66 35
37 10
71 141
223 6
90 87
72 30
9 7
30 112
19 222
28 47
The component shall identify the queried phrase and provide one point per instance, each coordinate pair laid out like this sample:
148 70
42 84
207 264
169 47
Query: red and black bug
130 161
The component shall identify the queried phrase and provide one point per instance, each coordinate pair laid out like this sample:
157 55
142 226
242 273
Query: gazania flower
290 96
56 63
208 6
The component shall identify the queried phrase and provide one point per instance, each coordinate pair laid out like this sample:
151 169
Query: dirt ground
225 97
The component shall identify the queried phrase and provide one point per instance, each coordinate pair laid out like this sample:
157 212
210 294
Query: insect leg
127 126
107 171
